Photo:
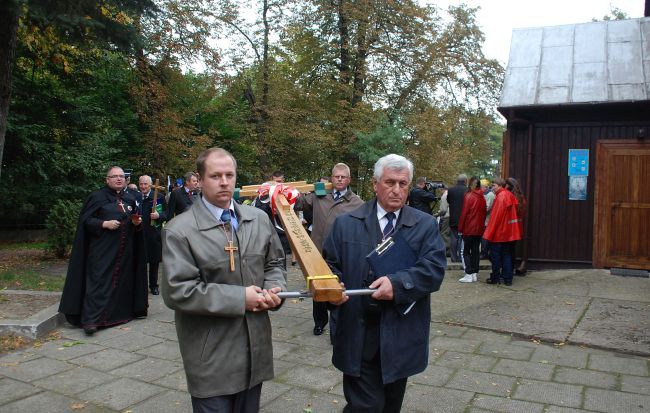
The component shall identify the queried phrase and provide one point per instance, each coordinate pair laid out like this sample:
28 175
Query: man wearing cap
324 210
223 270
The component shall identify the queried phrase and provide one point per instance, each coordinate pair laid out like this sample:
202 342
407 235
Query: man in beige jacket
222 270
325 210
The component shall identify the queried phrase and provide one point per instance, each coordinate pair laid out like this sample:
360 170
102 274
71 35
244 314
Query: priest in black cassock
105 285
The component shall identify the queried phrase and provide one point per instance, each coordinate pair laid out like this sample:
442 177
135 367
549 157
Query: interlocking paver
565 395
485 383
13 389
107 360
67 349
563 356
132 341
624 365
524 369
149 369
168 402
301 400
74 381
49 402
34 369
616 402
121 393
464 360
635 384
506 351
585 377
315 378
504 405
435 399
454 344
167 350
433 376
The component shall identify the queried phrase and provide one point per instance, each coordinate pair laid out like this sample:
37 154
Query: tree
76 20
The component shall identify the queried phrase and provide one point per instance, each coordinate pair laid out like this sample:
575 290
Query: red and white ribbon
267 192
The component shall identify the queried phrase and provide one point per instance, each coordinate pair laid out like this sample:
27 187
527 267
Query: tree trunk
9 11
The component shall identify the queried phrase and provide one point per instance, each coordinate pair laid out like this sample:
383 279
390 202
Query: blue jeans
501 258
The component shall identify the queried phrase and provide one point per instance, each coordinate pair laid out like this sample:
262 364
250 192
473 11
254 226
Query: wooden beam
301 186
323 285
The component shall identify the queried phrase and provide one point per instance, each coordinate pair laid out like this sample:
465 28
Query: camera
431 186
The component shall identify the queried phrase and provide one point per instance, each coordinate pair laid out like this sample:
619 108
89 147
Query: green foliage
61 226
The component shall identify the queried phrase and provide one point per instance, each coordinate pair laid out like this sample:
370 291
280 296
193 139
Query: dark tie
337 196
389 226
225 216
228 217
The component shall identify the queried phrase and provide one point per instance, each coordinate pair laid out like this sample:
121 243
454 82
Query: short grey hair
462 178
393 162
146 177
341 167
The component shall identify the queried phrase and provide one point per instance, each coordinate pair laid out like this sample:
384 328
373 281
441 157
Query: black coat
421 199
179 201
149 235
105 284
455 199
404 335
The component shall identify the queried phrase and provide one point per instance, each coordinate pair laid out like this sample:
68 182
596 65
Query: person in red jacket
502 231
472 226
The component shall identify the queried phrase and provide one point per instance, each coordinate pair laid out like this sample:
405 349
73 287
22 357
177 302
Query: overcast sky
497 18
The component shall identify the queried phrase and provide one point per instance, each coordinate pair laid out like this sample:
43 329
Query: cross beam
321 283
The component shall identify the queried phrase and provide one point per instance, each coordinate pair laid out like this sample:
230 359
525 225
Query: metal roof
606 61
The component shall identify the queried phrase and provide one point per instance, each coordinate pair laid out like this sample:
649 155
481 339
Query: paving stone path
137 367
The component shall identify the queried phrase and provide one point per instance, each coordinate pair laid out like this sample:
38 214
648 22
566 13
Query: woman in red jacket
472 226
502 232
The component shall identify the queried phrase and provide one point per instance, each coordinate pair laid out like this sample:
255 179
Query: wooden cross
324 285
231 249
155 199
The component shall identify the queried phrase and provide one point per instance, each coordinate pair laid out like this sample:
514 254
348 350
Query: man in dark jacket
181 199
455 198
151 212
420 198
379 343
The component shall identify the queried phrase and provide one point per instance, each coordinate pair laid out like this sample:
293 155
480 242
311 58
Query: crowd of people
481 220
224 263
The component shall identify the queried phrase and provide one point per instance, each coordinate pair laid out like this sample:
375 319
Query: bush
61 226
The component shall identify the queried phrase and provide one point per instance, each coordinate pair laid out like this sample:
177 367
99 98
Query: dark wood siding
559 229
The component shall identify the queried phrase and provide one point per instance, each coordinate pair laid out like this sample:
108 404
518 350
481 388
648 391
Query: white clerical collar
381 213
215 210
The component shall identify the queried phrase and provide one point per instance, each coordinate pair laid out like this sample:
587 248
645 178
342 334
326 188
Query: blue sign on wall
578 162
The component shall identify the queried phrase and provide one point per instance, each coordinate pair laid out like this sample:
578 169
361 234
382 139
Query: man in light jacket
223 269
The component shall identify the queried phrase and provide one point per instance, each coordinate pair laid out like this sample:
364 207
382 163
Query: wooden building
569 89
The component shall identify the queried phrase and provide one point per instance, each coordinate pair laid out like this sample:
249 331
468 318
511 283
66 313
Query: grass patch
30 280
10 246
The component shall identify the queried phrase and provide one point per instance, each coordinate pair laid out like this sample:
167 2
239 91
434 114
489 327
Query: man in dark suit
380 342
181 199
150 234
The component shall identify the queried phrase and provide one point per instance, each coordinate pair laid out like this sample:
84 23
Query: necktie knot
389 225
337 195
225 216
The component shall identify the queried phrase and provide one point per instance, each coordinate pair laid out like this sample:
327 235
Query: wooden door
622 204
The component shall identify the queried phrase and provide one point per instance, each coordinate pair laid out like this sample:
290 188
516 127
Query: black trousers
455 244
471 253
153 274
368 393
319 311
247 401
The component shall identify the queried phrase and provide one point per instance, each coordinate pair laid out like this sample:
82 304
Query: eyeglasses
116 176
340 177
